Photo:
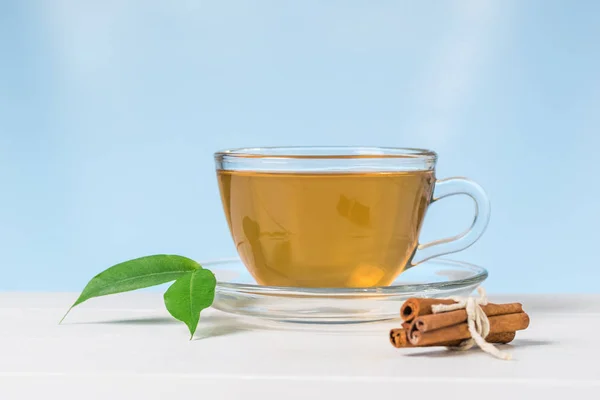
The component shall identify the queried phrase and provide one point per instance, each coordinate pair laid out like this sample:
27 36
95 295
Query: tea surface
325 229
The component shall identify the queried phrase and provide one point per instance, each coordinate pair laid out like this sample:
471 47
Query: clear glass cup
337 216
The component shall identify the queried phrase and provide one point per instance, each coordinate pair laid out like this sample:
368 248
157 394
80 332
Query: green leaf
189 295
137 274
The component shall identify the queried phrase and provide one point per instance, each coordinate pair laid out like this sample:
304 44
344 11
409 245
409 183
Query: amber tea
325 229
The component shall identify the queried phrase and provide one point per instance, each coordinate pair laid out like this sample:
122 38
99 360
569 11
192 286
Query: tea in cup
336 216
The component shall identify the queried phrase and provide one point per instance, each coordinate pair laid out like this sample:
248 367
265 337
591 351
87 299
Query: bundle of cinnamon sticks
423 328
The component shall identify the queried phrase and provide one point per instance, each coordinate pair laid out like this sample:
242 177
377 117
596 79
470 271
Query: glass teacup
336 216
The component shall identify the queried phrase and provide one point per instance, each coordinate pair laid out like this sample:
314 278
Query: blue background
110 112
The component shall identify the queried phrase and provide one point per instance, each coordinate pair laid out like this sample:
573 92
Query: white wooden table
128 347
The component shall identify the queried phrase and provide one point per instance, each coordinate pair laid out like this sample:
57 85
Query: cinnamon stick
498 324
501 338
415 307
399 339
426 323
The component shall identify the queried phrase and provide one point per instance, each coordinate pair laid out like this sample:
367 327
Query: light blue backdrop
110 112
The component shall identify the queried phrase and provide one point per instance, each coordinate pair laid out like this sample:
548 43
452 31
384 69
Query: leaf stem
65 316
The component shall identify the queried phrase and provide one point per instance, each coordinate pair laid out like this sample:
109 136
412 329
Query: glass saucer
238 293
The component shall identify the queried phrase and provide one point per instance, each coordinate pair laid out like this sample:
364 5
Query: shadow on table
443 352
221 324
132 321
209 326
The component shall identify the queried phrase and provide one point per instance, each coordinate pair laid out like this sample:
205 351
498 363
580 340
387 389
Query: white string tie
477 321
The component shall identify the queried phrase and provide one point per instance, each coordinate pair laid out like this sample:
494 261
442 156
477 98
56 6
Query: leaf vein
98 289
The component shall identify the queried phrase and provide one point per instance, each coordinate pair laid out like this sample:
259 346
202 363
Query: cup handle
450 187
